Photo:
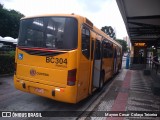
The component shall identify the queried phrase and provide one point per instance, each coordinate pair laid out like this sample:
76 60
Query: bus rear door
97 83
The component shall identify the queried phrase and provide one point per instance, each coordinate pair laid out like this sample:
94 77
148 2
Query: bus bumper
63 94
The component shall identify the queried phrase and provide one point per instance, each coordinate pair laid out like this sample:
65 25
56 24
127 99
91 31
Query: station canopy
142 20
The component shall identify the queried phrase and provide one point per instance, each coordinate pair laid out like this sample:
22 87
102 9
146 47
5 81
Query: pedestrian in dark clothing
156 61
140 58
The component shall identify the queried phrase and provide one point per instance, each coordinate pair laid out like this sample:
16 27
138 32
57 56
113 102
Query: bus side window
107 49
110 50
86 42
104 49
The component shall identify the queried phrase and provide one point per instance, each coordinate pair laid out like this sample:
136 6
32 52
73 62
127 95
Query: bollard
127 62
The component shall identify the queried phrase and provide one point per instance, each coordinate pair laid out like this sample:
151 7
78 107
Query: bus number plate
39 90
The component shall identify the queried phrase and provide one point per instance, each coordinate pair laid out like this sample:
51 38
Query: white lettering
34 115
150 114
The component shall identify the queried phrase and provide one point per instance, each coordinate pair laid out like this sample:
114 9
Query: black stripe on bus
41 52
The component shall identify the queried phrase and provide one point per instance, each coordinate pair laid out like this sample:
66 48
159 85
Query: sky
100 12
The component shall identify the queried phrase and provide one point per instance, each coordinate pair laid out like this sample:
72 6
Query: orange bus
64 57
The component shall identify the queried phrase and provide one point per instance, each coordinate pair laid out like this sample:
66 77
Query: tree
10 21
1 6
109 31
124 45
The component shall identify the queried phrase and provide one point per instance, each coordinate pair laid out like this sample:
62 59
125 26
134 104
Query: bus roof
48 15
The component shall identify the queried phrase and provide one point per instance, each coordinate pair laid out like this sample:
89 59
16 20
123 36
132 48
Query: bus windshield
49 32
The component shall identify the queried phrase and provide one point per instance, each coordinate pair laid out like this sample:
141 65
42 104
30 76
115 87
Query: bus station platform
130 97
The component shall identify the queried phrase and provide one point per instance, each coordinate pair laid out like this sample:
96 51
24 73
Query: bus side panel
119 63
84 71
107 66
83 79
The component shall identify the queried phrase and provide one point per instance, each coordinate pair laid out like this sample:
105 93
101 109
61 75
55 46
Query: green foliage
10 21
12 53
124 45
109 31
6 64
1 6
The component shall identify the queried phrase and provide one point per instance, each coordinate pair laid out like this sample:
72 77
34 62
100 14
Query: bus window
86 42
107 49
118 52
49 32
110 49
